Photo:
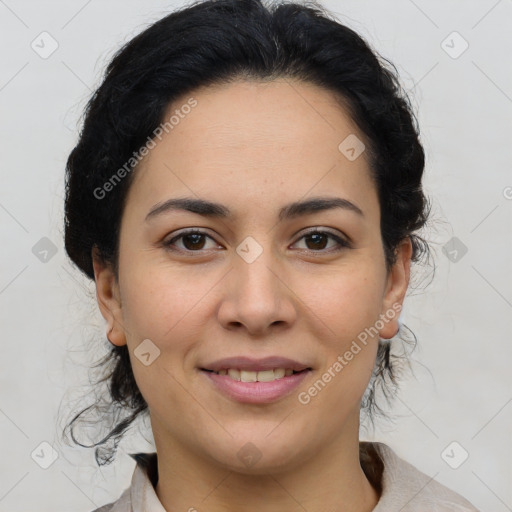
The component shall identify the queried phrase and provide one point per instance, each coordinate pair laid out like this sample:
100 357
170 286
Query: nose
257 298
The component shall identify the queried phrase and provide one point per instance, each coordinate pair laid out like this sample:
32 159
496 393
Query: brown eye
317 241
192 241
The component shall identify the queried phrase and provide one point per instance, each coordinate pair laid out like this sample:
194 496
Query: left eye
319 237
194 241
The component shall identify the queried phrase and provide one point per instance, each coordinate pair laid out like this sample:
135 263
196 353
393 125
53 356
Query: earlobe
396 288
108 297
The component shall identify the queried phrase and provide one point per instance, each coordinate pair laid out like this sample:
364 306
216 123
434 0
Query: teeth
249 376
279 373
252 376
234 374
264 376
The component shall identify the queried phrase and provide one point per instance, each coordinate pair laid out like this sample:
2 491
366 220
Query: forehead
254 140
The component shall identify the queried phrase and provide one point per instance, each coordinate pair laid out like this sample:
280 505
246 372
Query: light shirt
402 487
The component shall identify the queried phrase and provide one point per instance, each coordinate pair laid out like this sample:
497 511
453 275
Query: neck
331 479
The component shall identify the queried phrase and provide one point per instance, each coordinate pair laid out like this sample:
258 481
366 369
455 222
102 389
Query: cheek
164 308
347 303
162 303
349 353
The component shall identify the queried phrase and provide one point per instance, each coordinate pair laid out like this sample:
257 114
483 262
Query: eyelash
342 244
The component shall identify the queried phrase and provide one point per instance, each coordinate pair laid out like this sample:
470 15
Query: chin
258 455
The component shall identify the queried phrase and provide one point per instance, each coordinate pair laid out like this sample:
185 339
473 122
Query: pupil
315 236
194 243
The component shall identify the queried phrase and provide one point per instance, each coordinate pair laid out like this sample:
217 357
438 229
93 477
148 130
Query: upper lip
255 365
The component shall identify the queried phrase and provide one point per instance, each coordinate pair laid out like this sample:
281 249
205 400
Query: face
257 279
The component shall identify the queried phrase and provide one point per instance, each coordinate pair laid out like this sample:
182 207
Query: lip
255 365
256 392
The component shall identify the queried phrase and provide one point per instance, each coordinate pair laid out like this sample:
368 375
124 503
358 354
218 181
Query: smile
255 387
253 376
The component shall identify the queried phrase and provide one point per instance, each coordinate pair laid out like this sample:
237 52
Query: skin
254 147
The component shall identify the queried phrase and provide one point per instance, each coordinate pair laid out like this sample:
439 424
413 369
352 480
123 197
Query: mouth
255 386
267 375
255 381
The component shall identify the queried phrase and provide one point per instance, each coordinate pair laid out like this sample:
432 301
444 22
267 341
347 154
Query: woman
246 194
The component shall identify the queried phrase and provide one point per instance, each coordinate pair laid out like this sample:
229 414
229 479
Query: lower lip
256 392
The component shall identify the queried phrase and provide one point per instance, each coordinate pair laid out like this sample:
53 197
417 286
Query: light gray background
50 328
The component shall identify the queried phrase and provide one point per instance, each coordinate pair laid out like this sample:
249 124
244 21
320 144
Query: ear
396 288
109 300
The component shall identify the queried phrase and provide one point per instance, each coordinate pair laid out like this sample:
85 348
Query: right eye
193 240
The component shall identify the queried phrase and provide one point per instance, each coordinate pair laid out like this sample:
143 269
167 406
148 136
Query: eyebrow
216 210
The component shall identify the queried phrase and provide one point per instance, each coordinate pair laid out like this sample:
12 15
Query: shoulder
406 488
139 495
123 504
104 508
